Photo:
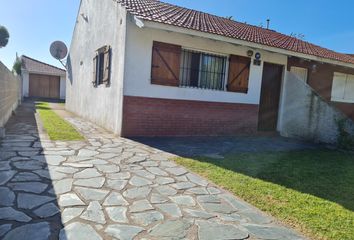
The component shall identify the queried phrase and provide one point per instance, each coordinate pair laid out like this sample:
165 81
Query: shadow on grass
325 174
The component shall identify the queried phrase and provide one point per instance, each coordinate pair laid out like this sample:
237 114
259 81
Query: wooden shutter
239 71
94 77
166 61
107 65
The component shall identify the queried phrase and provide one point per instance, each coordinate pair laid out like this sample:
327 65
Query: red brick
167 117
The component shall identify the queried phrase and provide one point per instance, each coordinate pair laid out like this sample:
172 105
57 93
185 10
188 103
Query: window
343 88
301 73
177 67
202 70
102 67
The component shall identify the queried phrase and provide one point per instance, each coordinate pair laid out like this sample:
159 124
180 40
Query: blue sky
34 24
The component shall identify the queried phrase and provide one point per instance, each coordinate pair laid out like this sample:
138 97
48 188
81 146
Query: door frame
281 92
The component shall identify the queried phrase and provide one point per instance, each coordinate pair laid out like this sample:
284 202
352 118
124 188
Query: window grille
202 70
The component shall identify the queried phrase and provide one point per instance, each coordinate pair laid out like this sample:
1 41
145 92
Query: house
41 80
148 68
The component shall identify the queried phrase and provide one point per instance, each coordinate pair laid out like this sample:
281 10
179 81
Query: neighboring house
41 80
148 68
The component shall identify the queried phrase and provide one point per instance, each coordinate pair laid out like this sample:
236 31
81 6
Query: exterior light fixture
258 56
257 59
250 53
314 68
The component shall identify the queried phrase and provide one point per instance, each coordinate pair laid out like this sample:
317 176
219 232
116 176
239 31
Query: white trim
281 99
162 26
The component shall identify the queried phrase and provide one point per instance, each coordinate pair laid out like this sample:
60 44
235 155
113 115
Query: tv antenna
58 50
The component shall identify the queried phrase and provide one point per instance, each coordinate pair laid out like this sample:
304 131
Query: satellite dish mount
58 50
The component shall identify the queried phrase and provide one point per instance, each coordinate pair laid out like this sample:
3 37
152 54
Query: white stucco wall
304 114
25 83
98 24
62 87
137 80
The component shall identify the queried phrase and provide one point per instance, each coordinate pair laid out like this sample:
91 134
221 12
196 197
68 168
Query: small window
343 88
202 70
102 67
301 73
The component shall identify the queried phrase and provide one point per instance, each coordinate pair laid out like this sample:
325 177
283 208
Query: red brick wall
166 117
321 81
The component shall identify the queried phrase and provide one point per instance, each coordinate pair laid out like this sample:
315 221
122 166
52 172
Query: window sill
198 88
342 101
214 90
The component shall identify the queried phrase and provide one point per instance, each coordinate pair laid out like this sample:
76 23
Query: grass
312 191
57 128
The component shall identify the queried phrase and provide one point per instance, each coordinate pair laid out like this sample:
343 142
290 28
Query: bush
345 139
16 68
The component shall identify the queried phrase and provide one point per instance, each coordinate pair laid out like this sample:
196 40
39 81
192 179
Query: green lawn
312 191
56 127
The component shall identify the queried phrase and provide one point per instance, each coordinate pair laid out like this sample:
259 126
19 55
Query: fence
10 95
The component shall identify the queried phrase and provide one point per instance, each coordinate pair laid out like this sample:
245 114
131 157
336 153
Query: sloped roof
157 11
35 66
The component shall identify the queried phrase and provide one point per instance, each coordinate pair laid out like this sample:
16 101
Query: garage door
44 86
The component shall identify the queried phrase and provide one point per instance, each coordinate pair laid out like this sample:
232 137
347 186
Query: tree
4 36
17 66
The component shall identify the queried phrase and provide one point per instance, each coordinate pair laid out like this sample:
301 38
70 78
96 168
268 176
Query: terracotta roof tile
157 11
33 65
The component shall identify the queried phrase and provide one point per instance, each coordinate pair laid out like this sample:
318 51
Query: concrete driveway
112 188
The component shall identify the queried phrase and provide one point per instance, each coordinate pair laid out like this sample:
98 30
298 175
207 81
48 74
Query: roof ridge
42 62
155 10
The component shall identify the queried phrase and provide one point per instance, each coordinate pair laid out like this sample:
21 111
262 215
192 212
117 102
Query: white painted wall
25 82
138 66
99 23
62 87
306 115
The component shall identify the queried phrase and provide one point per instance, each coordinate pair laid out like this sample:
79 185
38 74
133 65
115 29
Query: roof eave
167 27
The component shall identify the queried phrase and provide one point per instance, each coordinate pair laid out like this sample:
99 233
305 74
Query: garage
44 86
41 80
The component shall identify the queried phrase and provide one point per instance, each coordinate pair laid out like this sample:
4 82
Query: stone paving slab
112 188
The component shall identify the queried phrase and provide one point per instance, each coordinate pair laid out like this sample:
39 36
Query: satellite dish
58 50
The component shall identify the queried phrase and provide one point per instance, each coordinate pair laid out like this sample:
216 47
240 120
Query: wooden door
270 96
44 86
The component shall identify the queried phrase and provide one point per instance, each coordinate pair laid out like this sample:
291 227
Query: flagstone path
112 188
